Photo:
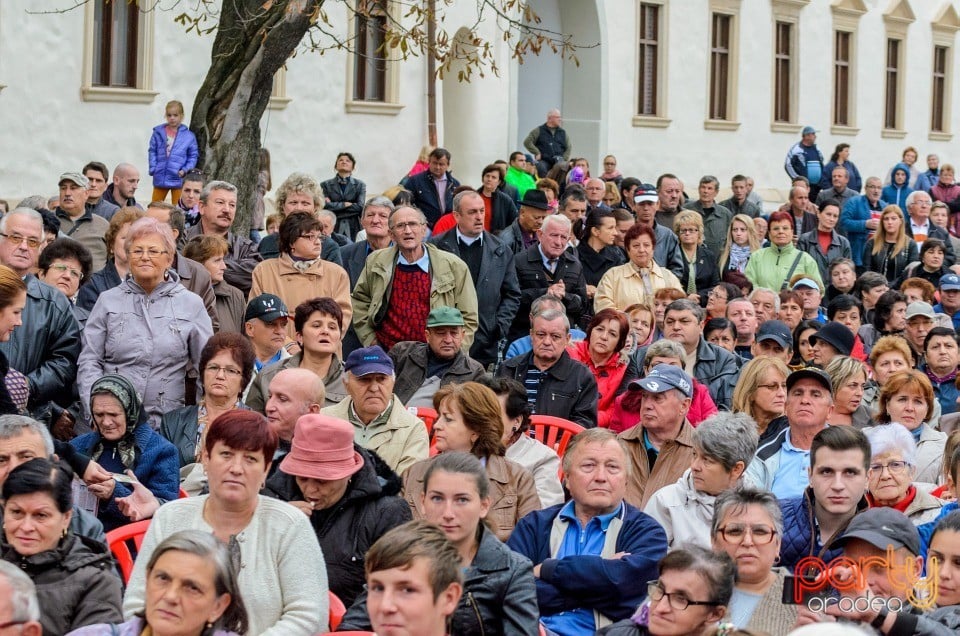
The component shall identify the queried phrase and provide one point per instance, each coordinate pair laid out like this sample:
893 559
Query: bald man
126 178
293 392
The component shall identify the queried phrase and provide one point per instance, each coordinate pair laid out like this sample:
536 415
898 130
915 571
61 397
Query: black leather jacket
567 389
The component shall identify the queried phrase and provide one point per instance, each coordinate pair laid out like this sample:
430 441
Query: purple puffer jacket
183 156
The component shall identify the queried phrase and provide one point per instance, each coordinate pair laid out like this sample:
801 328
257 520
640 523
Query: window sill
720 124
844 130
785 127
940 136
279 103
650 121
373 108
117 95
891 133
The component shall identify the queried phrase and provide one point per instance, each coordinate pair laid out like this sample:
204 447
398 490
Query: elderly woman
299 193
149 329
191 590
742 241
907 398
123 441
318 324
65 264
499 596
721 332
226 364
748 526
300 274
889 355
701 272
890 250
541 460
601 354
889 318
772 266
843 277
718 297
209 250
470 421
849 378
637 280
13 299
723 445
118 265
626 411
348 493
72 574
893 468
761 392
282 575
688 599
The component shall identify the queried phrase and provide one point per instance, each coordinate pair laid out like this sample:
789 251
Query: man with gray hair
18 601
24 438
713 366
329 221
380 421
919 228
766 304
543 303
490 262
549 143
375 220
556 384
549 268
126 178
218 208
46 346
716 218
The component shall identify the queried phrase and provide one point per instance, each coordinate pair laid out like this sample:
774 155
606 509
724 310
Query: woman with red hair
772 267
601 353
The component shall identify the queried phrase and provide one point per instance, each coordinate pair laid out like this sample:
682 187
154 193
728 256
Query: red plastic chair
427 415
118 540
337 610
554 432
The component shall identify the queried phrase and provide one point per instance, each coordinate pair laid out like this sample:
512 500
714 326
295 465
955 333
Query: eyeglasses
773 386
736 532
677 600
74 273
152 254
719 295
687 230
895 468
313 238
412 225
16 239
215 369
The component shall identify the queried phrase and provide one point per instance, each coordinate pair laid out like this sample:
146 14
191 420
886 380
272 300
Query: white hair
557 219
23 597
892 438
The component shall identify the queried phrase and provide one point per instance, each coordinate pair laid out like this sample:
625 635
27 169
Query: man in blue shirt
782 464
593 554
949 298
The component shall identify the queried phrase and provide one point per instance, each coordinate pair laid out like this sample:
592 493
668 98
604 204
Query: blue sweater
157 468
612 587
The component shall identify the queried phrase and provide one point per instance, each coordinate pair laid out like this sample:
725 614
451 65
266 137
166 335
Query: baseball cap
76 178
266 307
777 331
445 317
645 193
811 373
809 130
664 377
806 282
920 308
837 335
950 282
368 360
882 527
534 198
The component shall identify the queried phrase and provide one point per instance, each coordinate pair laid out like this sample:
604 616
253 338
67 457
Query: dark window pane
649 58
115 39
370 63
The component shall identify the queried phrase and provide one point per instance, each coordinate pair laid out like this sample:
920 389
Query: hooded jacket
165 168
346 530
895 194
684 512
76 583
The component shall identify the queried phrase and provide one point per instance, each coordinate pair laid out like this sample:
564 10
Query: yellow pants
160 194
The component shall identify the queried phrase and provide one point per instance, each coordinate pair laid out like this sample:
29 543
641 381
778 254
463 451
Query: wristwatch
878 621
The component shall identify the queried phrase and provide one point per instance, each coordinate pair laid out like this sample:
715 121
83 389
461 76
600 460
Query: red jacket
612 378
701 407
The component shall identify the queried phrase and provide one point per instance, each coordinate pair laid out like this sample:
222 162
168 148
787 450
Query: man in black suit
433 188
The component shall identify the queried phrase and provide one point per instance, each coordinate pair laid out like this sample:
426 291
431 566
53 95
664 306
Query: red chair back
183 494
427 415
554 432
118 540
337 610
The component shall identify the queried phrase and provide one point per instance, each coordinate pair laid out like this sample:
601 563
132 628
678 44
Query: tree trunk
254 40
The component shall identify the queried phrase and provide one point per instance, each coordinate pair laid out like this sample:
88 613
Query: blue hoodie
897 195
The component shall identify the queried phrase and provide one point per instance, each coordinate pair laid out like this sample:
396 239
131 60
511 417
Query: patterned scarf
739 254
120 388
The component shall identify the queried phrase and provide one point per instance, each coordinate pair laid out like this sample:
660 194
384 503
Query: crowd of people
337 403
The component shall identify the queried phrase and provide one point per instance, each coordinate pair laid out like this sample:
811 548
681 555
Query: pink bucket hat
322 448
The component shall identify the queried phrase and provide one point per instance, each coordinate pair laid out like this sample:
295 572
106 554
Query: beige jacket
401 442
622 286
279 276
513 493
674 458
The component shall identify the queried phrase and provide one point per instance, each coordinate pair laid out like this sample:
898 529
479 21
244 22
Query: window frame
945 26
390 103
142 66
728 11
846 19
658 119
786 12
897 20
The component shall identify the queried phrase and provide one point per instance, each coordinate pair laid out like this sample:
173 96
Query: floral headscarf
125 393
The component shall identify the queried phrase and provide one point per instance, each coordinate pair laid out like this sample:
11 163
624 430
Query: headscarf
125 393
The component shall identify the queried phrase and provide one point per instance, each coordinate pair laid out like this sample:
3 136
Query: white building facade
687 86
